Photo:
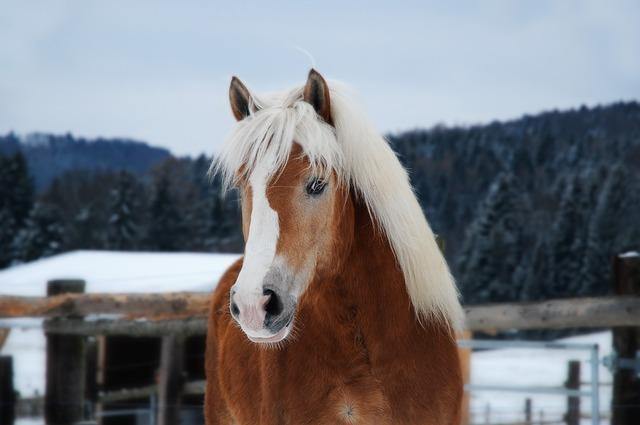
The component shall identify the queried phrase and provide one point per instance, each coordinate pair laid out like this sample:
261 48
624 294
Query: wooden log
556 314
553 314
171 380
187 327
625 402
65 376
190 388
127 394
133 305
572 417
7 391
167 309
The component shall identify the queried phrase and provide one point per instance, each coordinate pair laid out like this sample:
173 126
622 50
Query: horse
342 309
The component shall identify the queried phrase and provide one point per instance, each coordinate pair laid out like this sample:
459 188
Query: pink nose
251 312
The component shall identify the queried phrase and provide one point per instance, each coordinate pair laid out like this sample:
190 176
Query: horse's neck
374 285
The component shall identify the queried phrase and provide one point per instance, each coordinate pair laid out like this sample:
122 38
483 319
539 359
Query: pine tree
21 188
613 206
124 227
535 285
166 227
16 198
607 232
569 240
41 236
7 234
493 250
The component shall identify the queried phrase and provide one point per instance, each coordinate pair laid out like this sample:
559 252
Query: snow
534 367
104 272
630 254
116 272
28 348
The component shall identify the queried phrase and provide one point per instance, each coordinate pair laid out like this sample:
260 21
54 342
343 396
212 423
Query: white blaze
259 253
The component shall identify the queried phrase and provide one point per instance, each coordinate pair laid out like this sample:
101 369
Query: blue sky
159 71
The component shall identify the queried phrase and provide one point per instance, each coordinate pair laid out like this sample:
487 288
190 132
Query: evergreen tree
535 284
7 234
613 207
124 227
166 228
609 233
494 250
16 198
41 236
21 188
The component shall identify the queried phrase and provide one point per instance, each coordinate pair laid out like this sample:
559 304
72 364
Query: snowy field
113 272
535 367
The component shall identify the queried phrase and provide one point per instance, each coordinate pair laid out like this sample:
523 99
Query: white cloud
159 71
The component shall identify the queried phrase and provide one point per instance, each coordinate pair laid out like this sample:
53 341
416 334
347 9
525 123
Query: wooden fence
72 315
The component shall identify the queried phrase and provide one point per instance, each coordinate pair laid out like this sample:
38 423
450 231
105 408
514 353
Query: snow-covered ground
535 367
116 272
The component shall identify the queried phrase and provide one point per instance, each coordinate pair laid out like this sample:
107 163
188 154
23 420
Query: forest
529 209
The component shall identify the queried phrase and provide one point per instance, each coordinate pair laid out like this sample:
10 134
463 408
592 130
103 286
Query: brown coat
357 355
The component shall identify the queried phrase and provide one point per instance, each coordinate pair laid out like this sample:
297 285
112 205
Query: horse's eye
315 187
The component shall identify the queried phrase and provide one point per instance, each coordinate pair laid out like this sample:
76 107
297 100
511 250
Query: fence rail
133 305
162 314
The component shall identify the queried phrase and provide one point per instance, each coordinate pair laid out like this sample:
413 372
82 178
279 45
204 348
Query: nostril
235 311
274 306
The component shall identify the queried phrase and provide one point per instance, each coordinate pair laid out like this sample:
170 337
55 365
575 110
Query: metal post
527 411
595 386
152 409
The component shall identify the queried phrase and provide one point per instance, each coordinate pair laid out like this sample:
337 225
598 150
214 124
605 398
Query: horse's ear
316 92
241 102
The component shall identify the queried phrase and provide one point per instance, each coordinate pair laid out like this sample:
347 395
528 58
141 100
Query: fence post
527 412
170 380
625 402
572 416
65 377
7 392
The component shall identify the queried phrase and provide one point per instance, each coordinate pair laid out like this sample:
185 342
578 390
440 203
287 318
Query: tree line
533 208
530 209
174 207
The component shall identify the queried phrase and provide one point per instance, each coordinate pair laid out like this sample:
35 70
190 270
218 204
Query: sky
159 71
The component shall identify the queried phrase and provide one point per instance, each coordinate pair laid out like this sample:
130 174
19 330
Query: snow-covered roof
114 272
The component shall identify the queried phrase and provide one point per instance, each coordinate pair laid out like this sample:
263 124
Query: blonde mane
362 159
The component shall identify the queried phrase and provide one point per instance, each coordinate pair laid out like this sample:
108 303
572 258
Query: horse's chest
294 386
356 402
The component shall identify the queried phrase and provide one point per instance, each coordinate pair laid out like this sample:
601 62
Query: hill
49 156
